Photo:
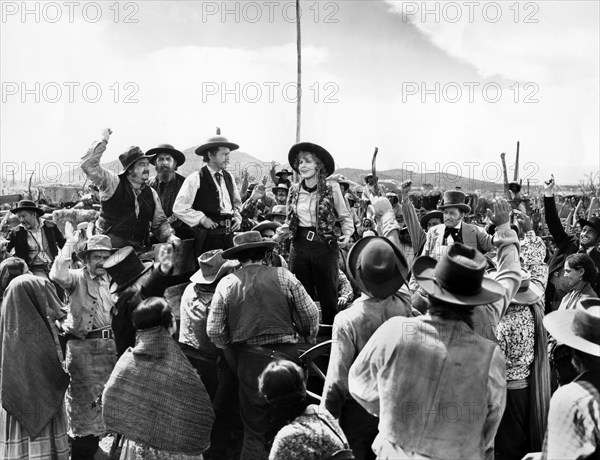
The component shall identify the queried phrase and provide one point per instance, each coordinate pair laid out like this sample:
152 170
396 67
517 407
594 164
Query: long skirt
51 444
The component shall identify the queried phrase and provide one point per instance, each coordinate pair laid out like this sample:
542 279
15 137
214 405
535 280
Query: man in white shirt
209 200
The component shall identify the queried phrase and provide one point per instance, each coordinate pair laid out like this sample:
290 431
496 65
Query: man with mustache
167 182
129 206
209 200
454 230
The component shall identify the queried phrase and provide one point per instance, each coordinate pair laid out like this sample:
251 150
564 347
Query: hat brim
176 154
281 173
39 211
424 273
274 189
266 225
377 290
462 206
529 296
147 266
559 325
431 215
211 145
584 222
232 253
82 254
315 149
126 168
223 270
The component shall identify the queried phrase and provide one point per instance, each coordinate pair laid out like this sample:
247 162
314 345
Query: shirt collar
213 171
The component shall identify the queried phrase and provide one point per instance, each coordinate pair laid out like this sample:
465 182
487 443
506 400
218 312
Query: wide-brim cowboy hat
431 215
266 224
277 210
578 328
178 156
377 266
247 240
367 177
457 278
316 150
528 292
214 142
594 222
97 243
124 267
129 158
27 205
213 267
455 199
279 187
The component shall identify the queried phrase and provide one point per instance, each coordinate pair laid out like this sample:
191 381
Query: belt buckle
227 226
310 235
106 334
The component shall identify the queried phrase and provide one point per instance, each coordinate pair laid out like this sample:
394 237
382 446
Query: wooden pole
299 72
516 176
503 157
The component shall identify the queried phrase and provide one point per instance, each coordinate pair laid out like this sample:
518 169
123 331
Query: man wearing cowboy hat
209 199
90 350
167 182
379 269
573 430
280 192
129 206
454 230
268 230
35 240
257 315
565 246
282 177
450 404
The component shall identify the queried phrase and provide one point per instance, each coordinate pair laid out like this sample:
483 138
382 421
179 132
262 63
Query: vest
207 196
441 405
248 314
54 240
118 213
326 214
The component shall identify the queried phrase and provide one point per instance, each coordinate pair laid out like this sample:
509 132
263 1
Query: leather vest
207 196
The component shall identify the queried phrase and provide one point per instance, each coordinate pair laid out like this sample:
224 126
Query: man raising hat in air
167 182
129 206
209 199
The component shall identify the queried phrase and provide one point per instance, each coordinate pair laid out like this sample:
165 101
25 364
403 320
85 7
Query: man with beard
167 182
281 193
129 206
209 200
565 246
454 230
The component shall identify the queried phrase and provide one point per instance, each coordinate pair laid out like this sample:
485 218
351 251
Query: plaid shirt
305 313
573 422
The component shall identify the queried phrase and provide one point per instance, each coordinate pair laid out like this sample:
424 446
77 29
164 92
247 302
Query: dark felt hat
377 266
431 215
27 205
455 199
247 240
284 171
132 155
216 141
178 156
316 150
458 278
594 222
125 266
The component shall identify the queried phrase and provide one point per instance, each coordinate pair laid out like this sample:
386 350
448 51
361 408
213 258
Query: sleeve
496 400
346 221
429 241
160 225
216 326
236 202
306 313
182 207
156 283
485 241
344 286
107 181
417 234
553 221
248 210
286 444
60 272
343 351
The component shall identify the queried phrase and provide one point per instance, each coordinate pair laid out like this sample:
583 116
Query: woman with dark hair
580 275
314 205
154 397
9 269
303 431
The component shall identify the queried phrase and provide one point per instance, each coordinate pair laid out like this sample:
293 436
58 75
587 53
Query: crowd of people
447 339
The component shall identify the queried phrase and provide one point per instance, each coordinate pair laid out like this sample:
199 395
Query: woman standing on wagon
313 207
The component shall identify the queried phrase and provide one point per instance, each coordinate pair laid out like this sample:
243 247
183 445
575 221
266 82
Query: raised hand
106 134
501 214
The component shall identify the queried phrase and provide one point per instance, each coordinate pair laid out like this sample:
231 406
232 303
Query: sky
441 87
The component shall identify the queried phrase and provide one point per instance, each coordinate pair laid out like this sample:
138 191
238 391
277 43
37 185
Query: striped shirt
305 313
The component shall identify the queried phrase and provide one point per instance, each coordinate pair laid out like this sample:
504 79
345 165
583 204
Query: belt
105 334
307 233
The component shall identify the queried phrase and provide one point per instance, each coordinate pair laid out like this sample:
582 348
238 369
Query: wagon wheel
308 363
